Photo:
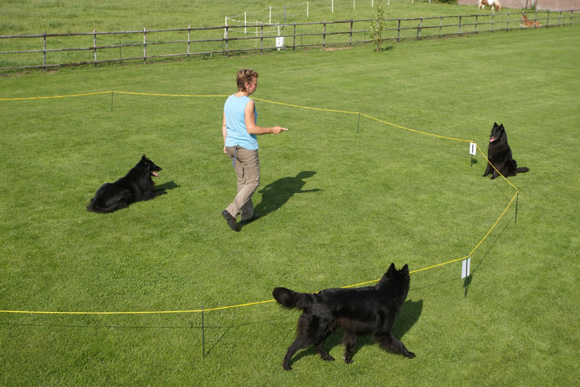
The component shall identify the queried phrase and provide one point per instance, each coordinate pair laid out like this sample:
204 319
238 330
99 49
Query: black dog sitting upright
136 186
358 311
499 154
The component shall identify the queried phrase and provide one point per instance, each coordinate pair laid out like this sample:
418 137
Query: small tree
377 26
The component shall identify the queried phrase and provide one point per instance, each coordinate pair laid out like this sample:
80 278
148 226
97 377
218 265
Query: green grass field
36 16
374 194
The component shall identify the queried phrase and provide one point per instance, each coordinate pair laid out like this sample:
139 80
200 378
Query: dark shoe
254 217
231 220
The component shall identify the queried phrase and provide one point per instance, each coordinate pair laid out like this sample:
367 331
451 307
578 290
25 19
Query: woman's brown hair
245 76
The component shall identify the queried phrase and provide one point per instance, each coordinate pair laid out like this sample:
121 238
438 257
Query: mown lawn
341 200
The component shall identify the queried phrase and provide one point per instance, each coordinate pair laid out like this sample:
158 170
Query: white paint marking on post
465 267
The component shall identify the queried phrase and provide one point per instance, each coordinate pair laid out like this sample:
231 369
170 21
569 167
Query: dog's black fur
137 185
358 311
499 154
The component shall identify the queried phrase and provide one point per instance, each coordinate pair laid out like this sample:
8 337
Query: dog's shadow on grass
408 316
276 194
167 186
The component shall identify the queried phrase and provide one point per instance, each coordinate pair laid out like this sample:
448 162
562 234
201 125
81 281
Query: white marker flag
465 266
472 148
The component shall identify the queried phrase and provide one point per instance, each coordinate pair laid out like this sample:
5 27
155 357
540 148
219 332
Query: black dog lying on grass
358 311
137 185
499 154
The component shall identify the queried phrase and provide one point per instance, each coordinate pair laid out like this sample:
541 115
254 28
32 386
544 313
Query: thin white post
307 15
144 45
245 23
332 7
353 4
226 29
270 20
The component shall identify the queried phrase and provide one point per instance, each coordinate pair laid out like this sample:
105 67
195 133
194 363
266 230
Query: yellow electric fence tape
54 96
278 103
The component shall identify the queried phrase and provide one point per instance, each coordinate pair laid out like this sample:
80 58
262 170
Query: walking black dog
358 311
499 154
136 186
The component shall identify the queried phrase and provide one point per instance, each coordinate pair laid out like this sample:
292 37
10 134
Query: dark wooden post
350 35
262 39
399 31
44 52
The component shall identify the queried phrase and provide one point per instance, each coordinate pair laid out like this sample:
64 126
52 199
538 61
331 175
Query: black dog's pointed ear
495 125
405 269
143 157
501 126
391 268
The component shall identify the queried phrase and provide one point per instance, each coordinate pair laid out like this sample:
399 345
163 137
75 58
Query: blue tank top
234 109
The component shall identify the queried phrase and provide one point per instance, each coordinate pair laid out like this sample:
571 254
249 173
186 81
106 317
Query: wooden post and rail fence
51 50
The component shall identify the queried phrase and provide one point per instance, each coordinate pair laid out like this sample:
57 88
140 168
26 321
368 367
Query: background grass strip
339 206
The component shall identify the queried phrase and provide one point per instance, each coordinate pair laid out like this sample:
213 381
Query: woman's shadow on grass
276 194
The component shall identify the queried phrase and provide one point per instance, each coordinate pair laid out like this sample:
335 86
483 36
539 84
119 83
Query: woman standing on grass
239 130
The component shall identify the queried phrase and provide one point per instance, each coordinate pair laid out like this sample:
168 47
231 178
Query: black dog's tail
522 169
92 207
291 299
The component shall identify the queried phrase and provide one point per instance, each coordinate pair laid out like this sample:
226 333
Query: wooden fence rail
49 50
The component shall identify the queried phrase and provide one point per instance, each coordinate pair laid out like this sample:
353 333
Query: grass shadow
408 316
467 281
497 238
276 194
167 185
473 162
225 330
